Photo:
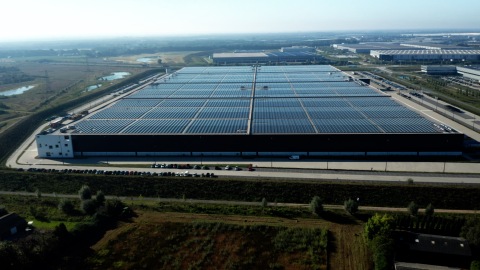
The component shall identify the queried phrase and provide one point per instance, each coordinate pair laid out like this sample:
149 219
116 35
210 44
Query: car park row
119 172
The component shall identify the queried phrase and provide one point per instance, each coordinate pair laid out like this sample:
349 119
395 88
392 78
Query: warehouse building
250 111
439 70
430 55
472 72
367 47
276 57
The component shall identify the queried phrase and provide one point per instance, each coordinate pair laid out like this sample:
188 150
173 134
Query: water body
115 76
17 91
93 87
145 60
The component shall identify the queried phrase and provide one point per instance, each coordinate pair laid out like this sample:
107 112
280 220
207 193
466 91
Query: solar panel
285 99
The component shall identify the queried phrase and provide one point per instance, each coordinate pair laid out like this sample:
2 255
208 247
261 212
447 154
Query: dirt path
347 248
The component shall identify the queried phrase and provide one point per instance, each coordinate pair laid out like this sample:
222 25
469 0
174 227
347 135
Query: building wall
469 73
286 144
55 146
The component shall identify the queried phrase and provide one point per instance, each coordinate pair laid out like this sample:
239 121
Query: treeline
389 195
10 75
60 248
14 136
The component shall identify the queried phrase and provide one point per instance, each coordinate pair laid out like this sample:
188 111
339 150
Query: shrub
100 198
66 206
316 205
429 210
378 225
413 209
88 206
351 206
264 203
85 193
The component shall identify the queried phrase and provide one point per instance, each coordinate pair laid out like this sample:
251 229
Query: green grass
50 225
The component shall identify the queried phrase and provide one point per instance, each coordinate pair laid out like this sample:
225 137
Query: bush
264 203
471 231
382 248
316 205
413 209
66 206
429 210
85 193
100 198
351 206
88 207
378 226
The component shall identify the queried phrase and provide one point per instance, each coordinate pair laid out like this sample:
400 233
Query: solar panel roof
310 99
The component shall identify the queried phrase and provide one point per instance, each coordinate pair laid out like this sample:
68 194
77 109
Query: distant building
414 55
264 57
298 49
11 224
439 70
366 48
472 72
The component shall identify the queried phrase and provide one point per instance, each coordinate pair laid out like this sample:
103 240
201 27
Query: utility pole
47 82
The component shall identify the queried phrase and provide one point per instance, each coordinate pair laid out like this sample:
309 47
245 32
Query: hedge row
392 194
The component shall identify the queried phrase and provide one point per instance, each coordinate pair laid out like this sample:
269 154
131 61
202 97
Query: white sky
44 19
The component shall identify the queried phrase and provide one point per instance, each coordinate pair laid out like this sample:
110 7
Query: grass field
193 241
168 58
66 80
213 237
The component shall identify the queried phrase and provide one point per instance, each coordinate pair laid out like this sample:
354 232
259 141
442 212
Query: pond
92 87
16 91
115 76
146 60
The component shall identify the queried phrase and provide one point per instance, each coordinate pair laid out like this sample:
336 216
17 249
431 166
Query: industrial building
367 47
310 110
472 72
439 70
285 55
429 55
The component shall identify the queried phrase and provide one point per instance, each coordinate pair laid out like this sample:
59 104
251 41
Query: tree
351 206
316 205
88 206
383 249
471 231
100 198
264 203
378 225
38 193
413 209
85 193
159 61
66 206
429 210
